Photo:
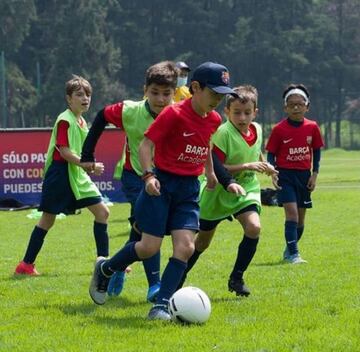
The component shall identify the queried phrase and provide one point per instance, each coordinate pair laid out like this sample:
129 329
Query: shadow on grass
120 304
279 262
115 221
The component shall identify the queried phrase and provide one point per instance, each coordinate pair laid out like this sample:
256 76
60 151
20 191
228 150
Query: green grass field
310 307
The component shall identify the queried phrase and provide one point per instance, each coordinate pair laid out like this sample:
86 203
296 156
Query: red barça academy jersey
293 146
182 138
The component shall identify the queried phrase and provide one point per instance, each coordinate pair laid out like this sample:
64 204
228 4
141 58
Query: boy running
237 145
179 139
134 117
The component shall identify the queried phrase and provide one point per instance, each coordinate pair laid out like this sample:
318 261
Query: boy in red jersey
179 138
293 147
134 118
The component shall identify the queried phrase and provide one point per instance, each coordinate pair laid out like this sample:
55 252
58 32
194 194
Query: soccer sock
246 252
101 239
152 269
300 231
121 260
191 262
170 280
291 236
35 243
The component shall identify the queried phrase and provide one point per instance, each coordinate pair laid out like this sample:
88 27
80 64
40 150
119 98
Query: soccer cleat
26 269
238 286
158 312
99 283
116 283
286 253
153 292
295 259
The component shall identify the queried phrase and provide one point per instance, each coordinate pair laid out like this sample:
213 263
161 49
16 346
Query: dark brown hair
164 73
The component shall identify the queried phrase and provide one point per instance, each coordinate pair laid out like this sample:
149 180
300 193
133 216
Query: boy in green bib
134 118
67 186
237 144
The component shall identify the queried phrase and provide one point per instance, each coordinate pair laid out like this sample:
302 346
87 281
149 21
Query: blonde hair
245 94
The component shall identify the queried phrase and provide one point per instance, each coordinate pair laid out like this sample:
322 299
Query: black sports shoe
238 285
99 283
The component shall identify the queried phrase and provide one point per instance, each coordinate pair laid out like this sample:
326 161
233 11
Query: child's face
241 114
205 100
296 107
159 96
79 101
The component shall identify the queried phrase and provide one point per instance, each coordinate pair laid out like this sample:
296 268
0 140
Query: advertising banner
22 158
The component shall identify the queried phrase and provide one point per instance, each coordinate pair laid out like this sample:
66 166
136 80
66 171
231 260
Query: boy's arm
211 180
315 169
97 128
152 184
225 178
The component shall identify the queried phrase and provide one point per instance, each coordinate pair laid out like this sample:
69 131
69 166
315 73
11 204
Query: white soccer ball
190 305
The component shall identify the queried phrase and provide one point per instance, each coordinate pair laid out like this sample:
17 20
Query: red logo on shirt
225 77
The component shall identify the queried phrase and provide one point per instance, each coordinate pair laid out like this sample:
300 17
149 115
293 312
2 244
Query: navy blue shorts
294 188
208 225
57 196
132 184
176 208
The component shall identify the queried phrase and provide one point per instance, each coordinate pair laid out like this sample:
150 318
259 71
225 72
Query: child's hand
312 182
88 166
211 181
98 169
270 170
236 188
259 166
275 181
152 186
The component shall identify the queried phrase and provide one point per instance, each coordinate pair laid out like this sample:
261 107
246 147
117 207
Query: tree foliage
267 43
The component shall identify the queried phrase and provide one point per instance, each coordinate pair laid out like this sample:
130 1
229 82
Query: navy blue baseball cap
214 76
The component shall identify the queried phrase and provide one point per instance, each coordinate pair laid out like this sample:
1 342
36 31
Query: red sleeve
62 136
273 142
113 114
219 153
164 122
317 142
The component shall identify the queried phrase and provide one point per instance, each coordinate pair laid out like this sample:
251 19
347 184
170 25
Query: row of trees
267 43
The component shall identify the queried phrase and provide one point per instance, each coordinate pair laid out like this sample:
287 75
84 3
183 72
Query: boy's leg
101 214
130 253
151 268
183 247
202 242
250 222
26 266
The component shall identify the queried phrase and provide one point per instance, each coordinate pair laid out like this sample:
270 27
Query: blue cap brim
222 90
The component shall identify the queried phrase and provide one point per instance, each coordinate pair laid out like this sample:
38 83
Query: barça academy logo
225 77
308 139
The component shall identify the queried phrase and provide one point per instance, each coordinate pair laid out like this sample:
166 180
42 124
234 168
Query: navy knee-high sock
35 243
152 264
152 269
291 236
246 252
121 260
300 231
191 262
101 239
170 280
